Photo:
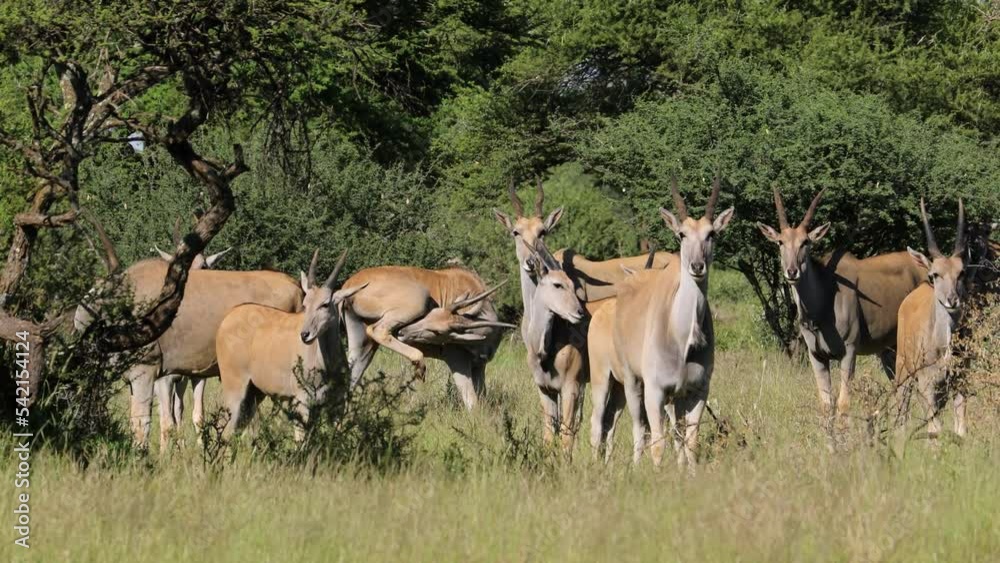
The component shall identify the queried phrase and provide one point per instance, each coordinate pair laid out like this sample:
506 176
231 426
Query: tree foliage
391 128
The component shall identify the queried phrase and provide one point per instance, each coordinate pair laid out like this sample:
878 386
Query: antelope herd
639 329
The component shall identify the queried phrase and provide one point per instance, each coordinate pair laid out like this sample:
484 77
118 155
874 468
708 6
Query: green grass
767 491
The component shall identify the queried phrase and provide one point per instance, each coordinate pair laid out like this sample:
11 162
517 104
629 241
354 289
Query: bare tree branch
42 220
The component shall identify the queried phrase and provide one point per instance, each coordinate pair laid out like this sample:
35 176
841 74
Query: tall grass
481 487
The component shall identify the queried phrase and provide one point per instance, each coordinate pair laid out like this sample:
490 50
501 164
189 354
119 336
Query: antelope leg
383 335
460 365
633 398
847 367
141 379
234 394
821 369
198 408
360 348
692 406
599 393
932 401
550 414
164 390
612 416
180 387
570 395
653 396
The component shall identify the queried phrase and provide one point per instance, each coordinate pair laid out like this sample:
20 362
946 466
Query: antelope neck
809 294
324 353
688 311
528 286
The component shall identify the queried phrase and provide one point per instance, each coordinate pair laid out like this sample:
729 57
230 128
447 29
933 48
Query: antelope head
454 322
321 301
555 290
794 242
945 273
526 230
697 236
200 262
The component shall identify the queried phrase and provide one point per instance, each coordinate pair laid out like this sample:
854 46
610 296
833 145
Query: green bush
764 129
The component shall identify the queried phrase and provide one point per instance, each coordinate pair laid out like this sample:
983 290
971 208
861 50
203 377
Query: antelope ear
303 281
671 221
503 219
919 258
553 219
345 294
819 232
771 234
722 221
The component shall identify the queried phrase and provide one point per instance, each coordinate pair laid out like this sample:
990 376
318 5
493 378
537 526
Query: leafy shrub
370 428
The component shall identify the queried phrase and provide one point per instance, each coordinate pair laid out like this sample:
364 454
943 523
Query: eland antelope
928 318
662 345
846 306
606 391
187 348
260 348
170 388
401 296
556 345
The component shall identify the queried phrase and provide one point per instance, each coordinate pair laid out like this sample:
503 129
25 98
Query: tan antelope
606 391
400 296
556 344
187 348
662 349
846 306
170 388
260 350
928 318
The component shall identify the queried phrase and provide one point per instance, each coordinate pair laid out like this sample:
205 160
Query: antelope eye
516 233
711 235
557 285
